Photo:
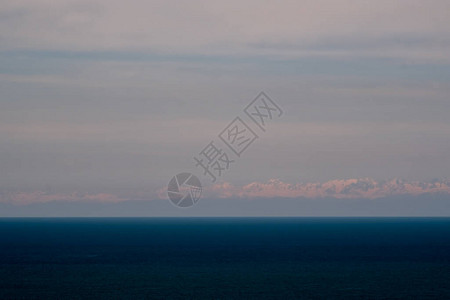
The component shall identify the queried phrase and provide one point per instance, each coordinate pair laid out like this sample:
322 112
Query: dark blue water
225 258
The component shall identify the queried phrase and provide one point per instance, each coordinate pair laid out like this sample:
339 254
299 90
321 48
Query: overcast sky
107 100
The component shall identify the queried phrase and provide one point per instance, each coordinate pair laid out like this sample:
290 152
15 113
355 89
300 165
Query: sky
103 102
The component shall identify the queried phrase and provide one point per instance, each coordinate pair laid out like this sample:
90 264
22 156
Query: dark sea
225 258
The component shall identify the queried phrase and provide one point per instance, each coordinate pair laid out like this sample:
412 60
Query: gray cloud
412 28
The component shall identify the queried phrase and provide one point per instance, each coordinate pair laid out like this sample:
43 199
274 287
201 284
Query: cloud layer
103 97
346 197
25 198
365 188
287 28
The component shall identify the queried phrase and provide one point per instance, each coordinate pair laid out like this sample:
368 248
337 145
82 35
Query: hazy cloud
281 28
365 188
362 188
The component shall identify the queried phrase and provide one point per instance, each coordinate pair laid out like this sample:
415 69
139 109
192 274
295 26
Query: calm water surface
225 258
